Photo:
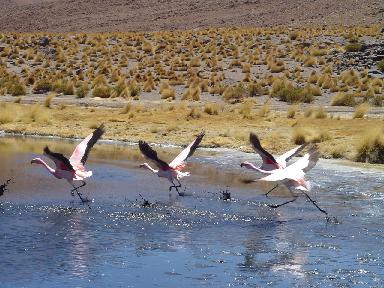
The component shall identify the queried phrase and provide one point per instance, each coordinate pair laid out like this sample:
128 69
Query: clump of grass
234 94
194 113
17 100
48 99
82 91
320 113
353 47
36 114
299 136
380 65
127 107
361 110
42 86
101 91
246 109
134 89
264 110
211 109
168 93
303 135
370 147
309 112
292 110
193 92
16 87
292 94
343 99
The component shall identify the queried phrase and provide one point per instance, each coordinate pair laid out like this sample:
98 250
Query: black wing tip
46 150
247 181
253 138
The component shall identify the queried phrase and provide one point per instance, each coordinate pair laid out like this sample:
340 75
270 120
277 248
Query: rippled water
49 239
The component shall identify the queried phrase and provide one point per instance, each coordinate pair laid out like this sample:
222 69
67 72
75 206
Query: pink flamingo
172 171
270 163
293 176
72 169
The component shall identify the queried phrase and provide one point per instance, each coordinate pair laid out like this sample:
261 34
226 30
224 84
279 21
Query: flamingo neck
146 166
253 167
41 162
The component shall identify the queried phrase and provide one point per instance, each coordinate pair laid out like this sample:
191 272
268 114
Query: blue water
49 239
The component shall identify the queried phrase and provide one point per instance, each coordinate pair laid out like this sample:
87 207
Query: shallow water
49 239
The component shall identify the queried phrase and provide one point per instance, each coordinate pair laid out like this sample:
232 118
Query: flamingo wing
291 153
296 170
61 162
187 152
81 152
152 155
308 161
265 155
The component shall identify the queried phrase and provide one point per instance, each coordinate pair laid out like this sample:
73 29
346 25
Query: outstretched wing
81 152
291 153
152 155
308 161
265 155
60 160
187 152
296 170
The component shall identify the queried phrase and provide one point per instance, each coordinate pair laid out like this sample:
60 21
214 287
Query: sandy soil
150 15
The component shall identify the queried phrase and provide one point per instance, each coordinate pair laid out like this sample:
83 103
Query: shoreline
322 161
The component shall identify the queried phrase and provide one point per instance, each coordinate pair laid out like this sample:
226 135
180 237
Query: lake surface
50 239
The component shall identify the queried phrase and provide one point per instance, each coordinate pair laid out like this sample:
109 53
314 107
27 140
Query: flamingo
293 176
72 169
172 171
270 163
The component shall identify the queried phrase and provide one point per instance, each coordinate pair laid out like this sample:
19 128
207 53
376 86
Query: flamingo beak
242 165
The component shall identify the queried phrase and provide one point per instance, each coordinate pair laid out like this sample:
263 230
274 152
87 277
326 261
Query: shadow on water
52 240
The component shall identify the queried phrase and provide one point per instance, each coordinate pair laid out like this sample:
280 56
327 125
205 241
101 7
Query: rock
44 41
376 74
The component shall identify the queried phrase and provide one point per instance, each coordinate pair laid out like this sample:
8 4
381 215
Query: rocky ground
151 15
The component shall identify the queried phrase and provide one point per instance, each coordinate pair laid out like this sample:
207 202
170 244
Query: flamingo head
36 161
246 164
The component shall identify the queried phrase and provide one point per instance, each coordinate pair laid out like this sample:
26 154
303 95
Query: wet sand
49 239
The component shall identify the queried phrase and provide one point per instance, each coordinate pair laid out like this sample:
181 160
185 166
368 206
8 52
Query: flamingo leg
178 187
266 194
278 205
79 194
314 203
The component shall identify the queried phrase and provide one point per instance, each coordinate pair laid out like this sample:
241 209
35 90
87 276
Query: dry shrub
303 135
264 110
102 91
292 110
246 109
192 93
48 99
320 113
308 112
343 99
361 110
370 147
194 113
82 91
234 94
211 108
168 93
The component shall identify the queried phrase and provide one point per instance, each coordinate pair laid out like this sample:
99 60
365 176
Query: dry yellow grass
137 121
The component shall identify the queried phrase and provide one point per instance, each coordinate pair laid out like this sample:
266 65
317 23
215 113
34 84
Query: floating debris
3 187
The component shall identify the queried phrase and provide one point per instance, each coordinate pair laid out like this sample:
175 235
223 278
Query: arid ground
151 15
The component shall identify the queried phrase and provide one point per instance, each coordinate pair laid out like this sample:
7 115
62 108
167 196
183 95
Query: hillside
151 15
